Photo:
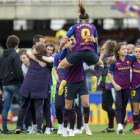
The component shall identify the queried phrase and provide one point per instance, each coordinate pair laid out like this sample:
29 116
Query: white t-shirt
24 69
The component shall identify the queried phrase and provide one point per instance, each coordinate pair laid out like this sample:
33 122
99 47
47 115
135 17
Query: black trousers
107 102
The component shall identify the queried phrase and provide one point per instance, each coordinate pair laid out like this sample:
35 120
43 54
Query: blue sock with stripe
61 74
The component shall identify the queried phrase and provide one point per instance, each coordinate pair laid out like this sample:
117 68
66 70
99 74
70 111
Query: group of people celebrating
44 75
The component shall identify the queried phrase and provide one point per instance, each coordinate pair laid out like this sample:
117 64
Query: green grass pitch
95 130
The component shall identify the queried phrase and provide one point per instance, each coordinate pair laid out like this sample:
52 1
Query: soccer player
84 49
60 101
105 84
121 82
76 84
131 51
135 86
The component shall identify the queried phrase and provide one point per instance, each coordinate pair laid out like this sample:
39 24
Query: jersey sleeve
71 31
63 54
55 63
112 67
95 33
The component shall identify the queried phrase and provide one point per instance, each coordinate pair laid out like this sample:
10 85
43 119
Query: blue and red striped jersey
121 71
81 32
135 74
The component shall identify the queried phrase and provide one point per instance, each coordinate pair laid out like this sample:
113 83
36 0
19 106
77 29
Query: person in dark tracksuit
34 88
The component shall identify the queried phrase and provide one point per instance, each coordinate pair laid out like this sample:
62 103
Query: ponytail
82 12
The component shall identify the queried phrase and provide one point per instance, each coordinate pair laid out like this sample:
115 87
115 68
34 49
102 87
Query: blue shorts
71 90
87 56
135 95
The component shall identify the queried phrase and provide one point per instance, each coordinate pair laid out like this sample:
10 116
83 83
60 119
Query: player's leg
136 117
125 98
118 111
61 74
66 113
135 97
70 95
72 121
59 107
84 95
79 116
91 58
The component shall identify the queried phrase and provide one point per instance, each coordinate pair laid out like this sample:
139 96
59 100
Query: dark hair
22 51
82 12
12 41
110 46
36 38
50 44
117 48
41 50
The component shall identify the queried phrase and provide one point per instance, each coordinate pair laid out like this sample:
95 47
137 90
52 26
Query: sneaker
132 129
120 129
61 87
78 131
8 119
108 130
64 133
53 130
6 132
33 130
83 129
71 133
47 131
24 131
87 130
38 132
17 130
60 130
29 128
125 123
68 129
136 131
94 86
